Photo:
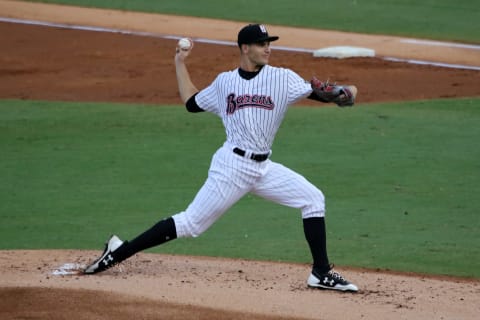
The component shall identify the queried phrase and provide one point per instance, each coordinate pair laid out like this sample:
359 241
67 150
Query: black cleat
108 258
330 280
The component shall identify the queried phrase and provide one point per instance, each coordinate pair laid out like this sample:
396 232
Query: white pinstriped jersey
252 110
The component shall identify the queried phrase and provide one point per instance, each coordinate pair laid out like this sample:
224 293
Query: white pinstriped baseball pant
231 176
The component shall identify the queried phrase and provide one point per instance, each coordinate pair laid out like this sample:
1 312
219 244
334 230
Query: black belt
256 157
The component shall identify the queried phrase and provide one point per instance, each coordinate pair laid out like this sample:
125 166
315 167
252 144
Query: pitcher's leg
284 186
224 186
316 236
213 199
229 179
163 231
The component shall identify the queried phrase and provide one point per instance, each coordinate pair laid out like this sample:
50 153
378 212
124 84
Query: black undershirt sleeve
192 105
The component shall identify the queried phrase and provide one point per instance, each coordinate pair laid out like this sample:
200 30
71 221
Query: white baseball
185 43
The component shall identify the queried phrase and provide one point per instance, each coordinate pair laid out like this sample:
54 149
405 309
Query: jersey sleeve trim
192 105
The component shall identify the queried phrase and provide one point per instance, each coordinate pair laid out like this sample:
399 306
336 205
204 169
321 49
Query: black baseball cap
254 33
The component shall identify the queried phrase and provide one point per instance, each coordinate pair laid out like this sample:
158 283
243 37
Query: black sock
315 234
160 233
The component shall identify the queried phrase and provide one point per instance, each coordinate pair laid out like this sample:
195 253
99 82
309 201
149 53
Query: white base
344 52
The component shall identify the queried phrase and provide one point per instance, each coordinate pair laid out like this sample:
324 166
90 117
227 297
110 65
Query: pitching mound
155 286
58 304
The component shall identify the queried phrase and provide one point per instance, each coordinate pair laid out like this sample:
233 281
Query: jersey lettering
235 103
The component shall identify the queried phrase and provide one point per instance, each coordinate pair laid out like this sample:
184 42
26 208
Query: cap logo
262 28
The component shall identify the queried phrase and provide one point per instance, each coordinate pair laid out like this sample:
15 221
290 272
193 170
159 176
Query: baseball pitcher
251 101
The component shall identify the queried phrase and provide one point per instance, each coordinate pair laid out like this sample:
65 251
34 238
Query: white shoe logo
107 259
325 281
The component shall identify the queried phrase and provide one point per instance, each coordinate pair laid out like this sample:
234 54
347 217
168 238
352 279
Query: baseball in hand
185 43
354 90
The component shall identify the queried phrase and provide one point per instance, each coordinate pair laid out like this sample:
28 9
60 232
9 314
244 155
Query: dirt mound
152 286
58 304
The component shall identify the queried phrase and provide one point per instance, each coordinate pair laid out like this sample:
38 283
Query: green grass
401 181
431 19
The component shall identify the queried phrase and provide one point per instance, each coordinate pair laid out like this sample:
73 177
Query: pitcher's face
257 54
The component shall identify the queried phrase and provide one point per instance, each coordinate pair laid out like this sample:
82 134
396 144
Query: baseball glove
342 96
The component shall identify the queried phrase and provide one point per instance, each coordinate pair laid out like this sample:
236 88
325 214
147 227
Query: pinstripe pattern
253 125
251 111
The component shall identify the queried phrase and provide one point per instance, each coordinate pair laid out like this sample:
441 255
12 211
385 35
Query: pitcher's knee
313 214
188 228
315 206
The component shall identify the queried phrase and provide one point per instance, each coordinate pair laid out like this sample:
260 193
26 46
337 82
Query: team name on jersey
235 103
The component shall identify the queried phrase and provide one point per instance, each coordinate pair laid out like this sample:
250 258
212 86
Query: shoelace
336 275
